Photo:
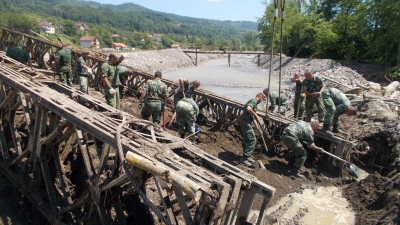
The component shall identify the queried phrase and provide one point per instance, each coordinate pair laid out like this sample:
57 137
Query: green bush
394 74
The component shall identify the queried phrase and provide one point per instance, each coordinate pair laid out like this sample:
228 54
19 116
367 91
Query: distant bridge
258 53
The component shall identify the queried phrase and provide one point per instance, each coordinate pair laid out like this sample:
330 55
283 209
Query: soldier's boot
245 160
337 130
296 173
327 129
182 135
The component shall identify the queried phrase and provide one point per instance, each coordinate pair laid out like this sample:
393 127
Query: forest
133 23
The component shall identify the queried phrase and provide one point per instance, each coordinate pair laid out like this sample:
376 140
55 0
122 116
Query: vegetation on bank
351 30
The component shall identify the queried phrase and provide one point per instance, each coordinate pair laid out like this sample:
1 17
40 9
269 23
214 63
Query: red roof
157 35
122 45
87 38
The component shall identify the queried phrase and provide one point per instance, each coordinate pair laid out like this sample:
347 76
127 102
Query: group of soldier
331 104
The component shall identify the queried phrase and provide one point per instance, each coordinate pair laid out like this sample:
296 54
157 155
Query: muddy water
242 81
323 205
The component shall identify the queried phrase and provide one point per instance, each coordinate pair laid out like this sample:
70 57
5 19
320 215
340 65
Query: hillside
131 17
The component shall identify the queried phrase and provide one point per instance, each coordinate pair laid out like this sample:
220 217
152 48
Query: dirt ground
375 200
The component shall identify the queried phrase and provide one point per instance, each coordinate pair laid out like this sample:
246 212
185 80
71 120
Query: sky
235 10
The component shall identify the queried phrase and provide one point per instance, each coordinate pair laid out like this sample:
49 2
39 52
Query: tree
236 44
69 28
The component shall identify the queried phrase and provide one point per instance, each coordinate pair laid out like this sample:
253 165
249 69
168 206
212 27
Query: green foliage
395 73
365 30
69 28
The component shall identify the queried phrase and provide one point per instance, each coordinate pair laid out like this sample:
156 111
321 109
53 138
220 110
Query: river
241 81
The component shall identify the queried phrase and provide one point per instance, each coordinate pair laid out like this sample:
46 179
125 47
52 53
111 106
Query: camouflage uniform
275 100
298 99
82 74
108 70
293 136
186 114
246 120
314 86
156 91
336 103
122 77
178 95
18 54
64 62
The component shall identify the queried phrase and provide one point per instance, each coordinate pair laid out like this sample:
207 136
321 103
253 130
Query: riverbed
241 81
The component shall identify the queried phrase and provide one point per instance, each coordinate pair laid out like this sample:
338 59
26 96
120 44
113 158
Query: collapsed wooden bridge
47 128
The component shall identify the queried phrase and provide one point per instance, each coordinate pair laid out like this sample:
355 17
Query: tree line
351 30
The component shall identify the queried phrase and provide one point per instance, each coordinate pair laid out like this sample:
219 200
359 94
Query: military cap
85 51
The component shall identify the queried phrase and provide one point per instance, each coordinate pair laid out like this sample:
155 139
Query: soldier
246 120
275 99
111 80
63 60
185 89
299 96
293 136
18 54
82 71
155 91
186 114
312 87
124 74
336 104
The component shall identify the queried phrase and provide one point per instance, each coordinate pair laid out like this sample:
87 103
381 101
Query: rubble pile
166 60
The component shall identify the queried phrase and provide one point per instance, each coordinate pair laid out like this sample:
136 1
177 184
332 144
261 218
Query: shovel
262 138
353 168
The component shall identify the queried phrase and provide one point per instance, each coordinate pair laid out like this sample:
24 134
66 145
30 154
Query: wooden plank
61 176
3 142
8 99
166 202
184 208
84 152
48 181
245 206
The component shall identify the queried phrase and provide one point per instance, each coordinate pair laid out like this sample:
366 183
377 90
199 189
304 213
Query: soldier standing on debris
82 71
246 120
111 80
293 136
299 96
124 74
336 104
275 99
186 115
63 60
155 91
312 87
18 54
185 89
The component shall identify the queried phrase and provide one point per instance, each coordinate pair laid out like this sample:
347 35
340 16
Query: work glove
303 95
111 91
320 150
140 104
163 107
89 70
299 79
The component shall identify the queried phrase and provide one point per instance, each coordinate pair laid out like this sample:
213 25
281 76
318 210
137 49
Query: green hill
125 20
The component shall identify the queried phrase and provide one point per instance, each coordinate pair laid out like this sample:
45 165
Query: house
176 46
157 37
81 26
89 41
115 36
47 28
118 46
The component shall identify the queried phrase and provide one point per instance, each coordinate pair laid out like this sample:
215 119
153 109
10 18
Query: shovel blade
354 170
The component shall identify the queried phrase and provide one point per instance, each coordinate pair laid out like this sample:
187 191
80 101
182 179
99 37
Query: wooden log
182 183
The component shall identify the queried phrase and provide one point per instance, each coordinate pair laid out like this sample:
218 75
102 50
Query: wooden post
196 56
229 59
258 61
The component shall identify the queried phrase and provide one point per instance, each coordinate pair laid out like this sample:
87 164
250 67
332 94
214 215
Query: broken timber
61 116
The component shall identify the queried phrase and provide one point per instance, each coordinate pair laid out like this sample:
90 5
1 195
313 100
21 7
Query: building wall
86 44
